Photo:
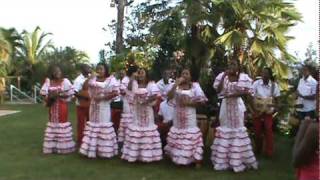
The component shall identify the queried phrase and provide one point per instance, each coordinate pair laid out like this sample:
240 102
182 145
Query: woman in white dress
184 141
142 141
231 148
127 97
99 135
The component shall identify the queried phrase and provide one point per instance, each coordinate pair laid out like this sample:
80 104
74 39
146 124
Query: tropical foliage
255 32
68 58
9 43
143 59
209 31
28 54
5 48
34 45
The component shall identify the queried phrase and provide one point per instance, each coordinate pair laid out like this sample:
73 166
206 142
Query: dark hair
132 69
164 70
106 68
83 67
309 67
191 73
184 68
270 73
51 70
148 75
237 61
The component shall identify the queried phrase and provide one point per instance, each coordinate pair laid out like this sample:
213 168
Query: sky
79 23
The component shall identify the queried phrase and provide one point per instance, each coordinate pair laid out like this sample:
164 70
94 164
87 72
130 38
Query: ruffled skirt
184 146
99 140
231 149
125 120
58 138
142 144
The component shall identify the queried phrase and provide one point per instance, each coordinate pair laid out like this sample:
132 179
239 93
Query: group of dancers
175 100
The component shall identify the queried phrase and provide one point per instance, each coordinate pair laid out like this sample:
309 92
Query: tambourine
263 105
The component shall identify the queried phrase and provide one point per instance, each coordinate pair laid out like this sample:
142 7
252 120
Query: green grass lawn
21 157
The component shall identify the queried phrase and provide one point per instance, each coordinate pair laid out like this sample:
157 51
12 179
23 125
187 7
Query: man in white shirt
165 81
82 101
306 91
163 86
165 110
263 122
123 80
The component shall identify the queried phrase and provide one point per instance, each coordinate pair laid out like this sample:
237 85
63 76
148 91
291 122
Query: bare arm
220 86
111 95
172 91
130 85
132 78
83 93
194 104
152 100
237 94
106 95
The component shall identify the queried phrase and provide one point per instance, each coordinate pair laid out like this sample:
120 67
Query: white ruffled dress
231 148
184 141
142 141
99 135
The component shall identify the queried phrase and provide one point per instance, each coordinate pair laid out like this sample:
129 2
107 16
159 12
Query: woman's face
141 74
57 74
186 75
122 73
101 71
233 67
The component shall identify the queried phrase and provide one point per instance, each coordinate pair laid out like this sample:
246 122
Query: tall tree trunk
120 23
195 52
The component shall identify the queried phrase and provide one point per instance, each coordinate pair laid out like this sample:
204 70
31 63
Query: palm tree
5 47
5 52
255 33
12 37
68 58
9 43
34 45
